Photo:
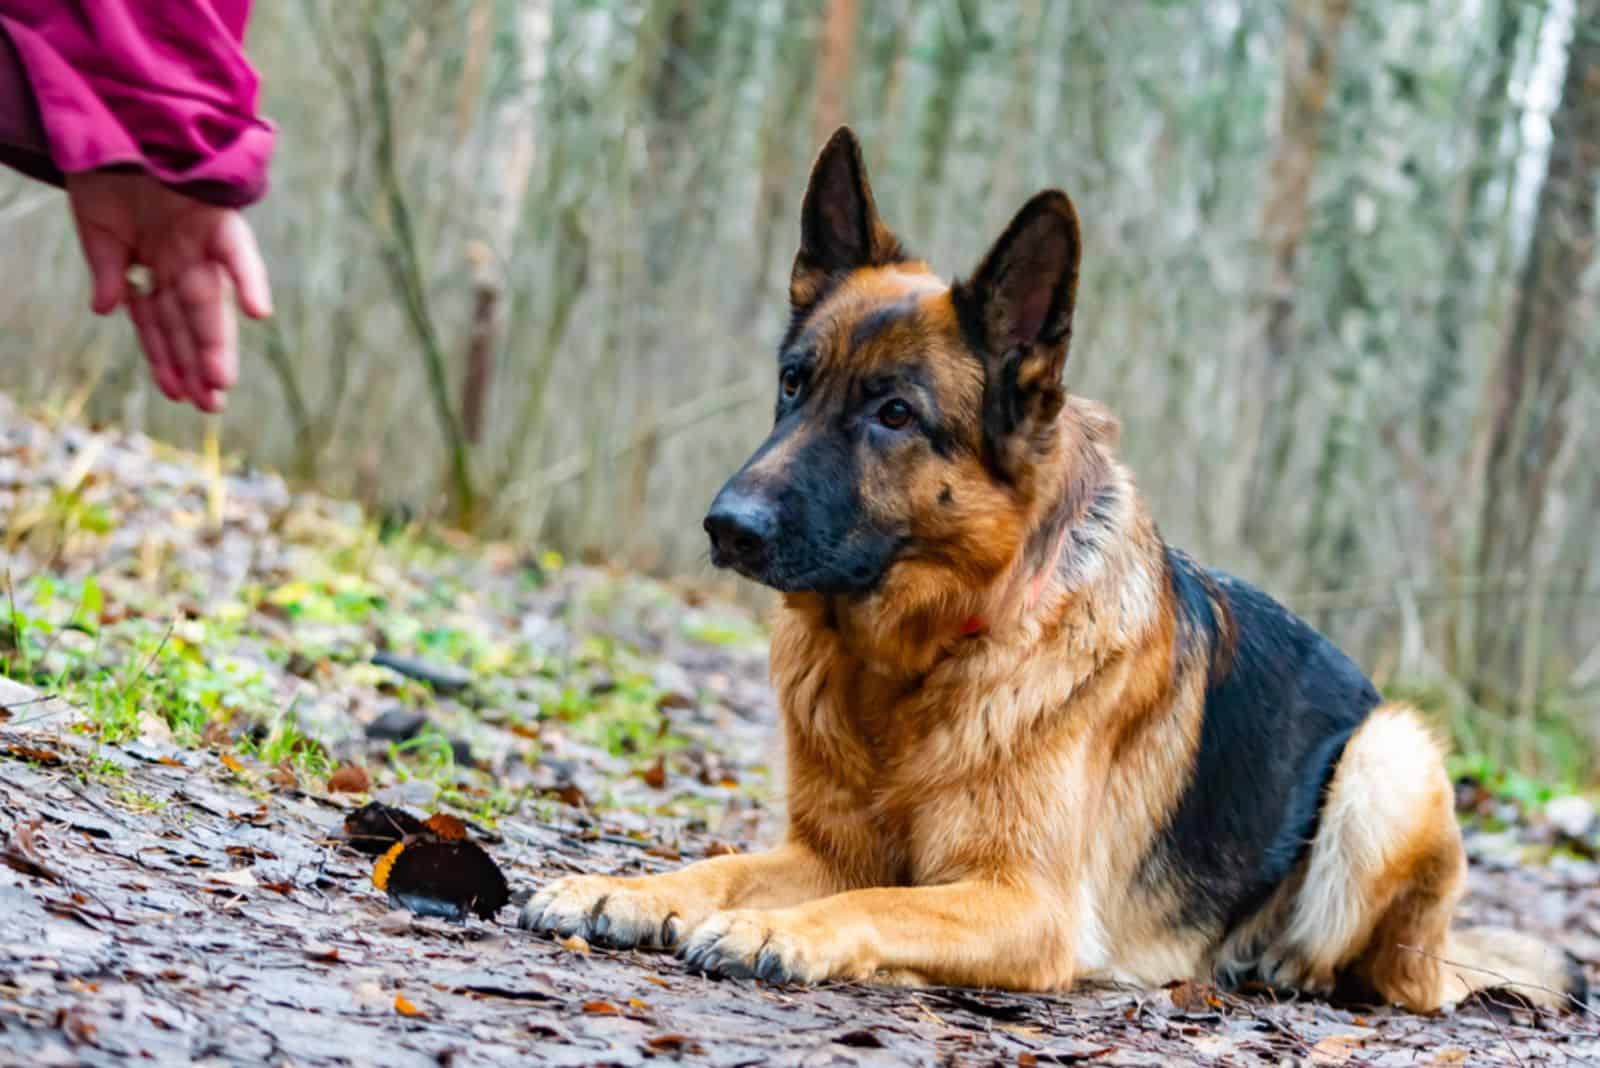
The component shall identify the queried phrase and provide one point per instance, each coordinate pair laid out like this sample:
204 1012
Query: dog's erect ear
839 227
1017 310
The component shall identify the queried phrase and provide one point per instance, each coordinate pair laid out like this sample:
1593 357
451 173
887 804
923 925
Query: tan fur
981 809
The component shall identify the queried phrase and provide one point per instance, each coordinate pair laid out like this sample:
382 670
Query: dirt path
200 650
229 927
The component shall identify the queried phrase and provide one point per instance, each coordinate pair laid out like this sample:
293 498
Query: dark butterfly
439 871
374 828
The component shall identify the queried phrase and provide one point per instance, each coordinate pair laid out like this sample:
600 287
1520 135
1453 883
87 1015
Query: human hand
193 252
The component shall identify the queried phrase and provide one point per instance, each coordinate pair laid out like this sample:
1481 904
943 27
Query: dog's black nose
741 529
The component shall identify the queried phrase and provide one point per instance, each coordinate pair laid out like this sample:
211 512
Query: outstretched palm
193 251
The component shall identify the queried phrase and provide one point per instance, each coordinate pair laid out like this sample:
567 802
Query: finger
203 295
175 331
142 311
236 250
108 259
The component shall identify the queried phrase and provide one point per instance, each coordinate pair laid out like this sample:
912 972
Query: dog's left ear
839 226
1017 309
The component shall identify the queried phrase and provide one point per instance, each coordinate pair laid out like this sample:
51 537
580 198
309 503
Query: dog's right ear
1017 310
839 226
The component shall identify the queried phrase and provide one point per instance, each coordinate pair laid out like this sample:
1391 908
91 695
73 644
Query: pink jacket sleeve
161 86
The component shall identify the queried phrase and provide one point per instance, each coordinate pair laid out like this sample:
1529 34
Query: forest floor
195 647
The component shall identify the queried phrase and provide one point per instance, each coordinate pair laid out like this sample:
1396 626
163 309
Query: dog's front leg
658 910
975 933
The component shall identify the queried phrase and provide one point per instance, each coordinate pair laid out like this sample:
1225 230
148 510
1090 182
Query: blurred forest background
1340 270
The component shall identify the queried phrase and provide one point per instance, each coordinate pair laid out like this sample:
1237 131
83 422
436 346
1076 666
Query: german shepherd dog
1028 742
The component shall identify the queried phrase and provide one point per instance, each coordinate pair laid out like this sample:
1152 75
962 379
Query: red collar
975 625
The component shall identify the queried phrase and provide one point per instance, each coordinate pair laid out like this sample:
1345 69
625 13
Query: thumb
108 268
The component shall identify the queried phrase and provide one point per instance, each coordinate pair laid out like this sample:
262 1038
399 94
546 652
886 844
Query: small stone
1573 816
396 724
444 678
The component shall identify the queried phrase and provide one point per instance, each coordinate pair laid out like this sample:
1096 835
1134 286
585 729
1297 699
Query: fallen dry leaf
21 853
1336 1049
601 1008
1194 997
405 1008
655 776
674 1043
450 828
569 795
321 951
350 779
231 762
34 755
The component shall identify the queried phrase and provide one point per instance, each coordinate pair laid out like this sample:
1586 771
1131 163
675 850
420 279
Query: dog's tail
1385 874
1495 958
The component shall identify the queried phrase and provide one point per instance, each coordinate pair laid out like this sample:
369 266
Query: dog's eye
895 414
789 382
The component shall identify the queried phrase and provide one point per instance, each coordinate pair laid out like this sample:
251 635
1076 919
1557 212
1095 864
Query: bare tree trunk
781 169
834 68
1310 49
1533 378
480 28
1486 163
482 340
1010 164
881 86
957 44
402 255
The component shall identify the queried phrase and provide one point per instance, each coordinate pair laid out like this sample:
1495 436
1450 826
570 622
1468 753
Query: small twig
1509 982
1498 1024
148 664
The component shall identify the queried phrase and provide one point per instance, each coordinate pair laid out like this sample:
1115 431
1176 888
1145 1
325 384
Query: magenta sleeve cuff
159 87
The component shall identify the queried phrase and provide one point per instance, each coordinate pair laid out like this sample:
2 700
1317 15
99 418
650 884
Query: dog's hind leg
1382 881
1384 871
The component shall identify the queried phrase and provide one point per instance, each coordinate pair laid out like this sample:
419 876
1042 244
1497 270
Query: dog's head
913 417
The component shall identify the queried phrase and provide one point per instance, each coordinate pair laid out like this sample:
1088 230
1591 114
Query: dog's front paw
622 913
766 945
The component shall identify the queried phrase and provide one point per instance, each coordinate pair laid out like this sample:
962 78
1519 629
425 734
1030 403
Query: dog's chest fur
989 762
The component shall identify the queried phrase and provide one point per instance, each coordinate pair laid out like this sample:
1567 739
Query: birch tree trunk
1310 51
834 67
1533 379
